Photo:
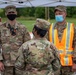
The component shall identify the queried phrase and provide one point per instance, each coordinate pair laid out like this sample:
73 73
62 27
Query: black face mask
11 16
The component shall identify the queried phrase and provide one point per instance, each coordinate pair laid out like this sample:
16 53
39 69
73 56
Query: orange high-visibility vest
65 46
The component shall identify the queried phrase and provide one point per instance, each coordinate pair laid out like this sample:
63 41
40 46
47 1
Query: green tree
40 12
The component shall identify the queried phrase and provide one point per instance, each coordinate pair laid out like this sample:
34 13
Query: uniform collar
15 25
56 25
40 38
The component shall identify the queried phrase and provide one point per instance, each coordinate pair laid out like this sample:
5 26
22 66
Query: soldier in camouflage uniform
61 26
38 56
12 36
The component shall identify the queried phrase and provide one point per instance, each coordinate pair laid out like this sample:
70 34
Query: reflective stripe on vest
65 46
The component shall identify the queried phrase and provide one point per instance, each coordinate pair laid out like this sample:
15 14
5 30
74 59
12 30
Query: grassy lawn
30 23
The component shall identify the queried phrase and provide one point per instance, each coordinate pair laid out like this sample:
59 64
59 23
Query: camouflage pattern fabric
8 71
38 57
66 70
60 29
10 8
74 46
60 8
10 40
43 24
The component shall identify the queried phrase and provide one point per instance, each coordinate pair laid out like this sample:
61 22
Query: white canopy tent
36 3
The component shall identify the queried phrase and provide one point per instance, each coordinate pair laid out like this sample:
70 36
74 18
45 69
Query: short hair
40 32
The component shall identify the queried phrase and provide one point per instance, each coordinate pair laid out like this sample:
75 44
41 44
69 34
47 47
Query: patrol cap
10 8
60 8
43 24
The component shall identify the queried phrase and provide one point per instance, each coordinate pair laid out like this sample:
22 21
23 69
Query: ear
66 13
16 12
5 14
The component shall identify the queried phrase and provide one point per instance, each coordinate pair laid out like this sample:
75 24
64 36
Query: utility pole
47 13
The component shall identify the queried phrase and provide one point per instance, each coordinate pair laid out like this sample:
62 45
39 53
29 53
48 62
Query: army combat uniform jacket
37 57
11 38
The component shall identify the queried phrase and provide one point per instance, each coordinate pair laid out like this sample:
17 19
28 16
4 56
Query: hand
74 67
1 66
